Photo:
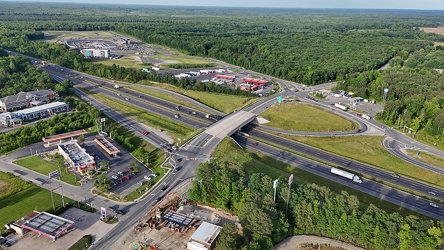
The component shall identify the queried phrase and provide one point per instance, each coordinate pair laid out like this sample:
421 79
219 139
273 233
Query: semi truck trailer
339 106
346 174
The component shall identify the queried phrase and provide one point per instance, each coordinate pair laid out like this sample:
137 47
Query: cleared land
254 162
22 198
124 61
426 158
173 129
437 30
369 149
302 117
438 44
42 166
221 102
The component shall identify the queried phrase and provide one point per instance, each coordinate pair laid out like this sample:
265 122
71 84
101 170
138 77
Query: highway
200 149
370 187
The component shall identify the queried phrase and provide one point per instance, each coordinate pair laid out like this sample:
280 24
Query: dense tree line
17 74
307 46
312 210
84 117
415 97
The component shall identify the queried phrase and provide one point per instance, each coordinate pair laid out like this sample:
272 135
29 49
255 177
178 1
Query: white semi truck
346 174
339 106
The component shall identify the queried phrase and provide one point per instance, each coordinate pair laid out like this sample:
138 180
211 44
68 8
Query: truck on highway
346 174
116 86
339 106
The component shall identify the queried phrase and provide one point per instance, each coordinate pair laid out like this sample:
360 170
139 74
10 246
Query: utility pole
52 197
61 186
290 180
275 184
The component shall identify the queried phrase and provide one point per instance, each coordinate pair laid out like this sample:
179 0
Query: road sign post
103 212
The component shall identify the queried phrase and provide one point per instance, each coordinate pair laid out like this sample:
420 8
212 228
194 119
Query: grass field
427 158
302 117
221 102
254 162
369 149
23 198
173 129
42 166
125 61
180 58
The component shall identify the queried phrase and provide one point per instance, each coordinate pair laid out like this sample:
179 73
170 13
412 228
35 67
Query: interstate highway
370 187
351 165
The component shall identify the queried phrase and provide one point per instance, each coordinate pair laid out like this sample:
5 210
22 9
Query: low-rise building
42 111
9 119
76 156
26 99
205 237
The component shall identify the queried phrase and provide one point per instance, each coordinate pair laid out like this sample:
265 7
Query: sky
361 4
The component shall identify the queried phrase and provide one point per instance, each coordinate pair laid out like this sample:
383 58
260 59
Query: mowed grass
125 61
179 59
44 167
173 129
254 162
303 117
221 102
22 198
164 96
369 149
426 158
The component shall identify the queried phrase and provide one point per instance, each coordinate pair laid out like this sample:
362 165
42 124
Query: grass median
369 150
222 102
254 162
303 117
42 166
426 158
173 129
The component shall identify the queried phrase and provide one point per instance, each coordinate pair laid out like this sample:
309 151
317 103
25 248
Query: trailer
342 107
346 174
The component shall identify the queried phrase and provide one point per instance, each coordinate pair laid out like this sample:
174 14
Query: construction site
175 223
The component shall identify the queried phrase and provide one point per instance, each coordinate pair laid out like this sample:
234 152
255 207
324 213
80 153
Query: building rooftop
14 98
64 135
76 153
41 92
206 233
177 218
106 145
47 224
41 108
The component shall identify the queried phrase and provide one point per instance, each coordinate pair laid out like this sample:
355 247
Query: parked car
147 177
115 177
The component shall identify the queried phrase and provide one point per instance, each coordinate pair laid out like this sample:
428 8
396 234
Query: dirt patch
3 185
307 242
437 30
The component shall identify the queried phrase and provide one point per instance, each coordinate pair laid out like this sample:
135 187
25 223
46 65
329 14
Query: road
202 146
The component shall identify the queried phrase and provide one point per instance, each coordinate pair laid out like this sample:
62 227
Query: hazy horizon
315 4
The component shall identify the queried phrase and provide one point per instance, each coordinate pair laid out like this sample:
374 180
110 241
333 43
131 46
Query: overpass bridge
230 124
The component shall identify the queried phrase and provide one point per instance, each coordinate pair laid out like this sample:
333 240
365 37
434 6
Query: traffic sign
54 174
279 99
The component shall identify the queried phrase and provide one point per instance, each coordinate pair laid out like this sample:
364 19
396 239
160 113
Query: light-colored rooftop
41 108
206 233
76 153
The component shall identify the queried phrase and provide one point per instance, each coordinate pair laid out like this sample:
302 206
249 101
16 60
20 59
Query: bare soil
437 30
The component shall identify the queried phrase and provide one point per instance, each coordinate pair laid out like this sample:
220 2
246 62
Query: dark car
120 212
159 198
164 188
112 209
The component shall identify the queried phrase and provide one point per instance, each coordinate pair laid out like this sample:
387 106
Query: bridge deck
230 124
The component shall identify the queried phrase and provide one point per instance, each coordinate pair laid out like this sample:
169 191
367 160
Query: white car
115 177
148 177
434 205
432 193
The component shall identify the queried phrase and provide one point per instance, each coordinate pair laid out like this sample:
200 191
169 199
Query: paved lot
85 223
368 107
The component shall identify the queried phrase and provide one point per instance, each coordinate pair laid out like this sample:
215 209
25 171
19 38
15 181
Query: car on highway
164 188
434 205
115 177
178 107
176 169
254 144
395 175
145 133
159 198
127 98
177 116
360 115
431 193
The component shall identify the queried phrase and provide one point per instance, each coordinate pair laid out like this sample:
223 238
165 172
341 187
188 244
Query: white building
9 119
76 156
96 53
41 111
205 237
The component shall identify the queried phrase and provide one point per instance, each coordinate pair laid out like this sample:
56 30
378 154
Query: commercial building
76 156
96 53
42 111
205 237
9 119
109 148
26 99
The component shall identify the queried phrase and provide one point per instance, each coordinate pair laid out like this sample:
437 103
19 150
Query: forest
312 209
306 46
